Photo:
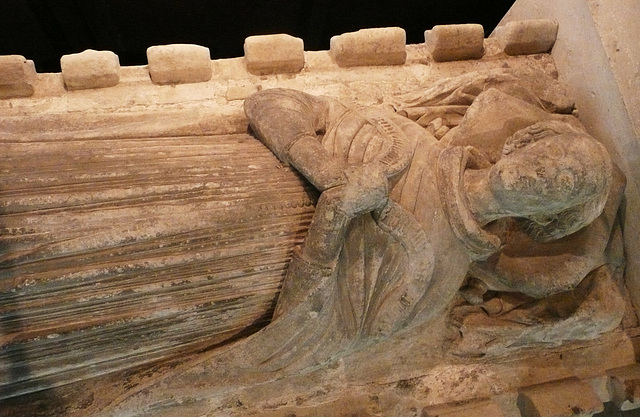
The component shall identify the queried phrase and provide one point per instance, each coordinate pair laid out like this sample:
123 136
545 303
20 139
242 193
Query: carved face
550 175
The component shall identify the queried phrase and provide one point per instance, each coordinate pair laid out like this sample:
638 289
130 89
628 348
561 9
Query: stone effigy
403 218
319 244
393 197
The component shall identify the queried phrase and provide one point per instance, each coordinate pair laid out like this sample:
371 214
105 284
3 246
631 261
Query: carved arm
287 121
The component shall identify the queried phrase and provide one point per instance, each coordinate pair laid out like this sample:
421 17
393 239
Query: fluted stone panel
118 252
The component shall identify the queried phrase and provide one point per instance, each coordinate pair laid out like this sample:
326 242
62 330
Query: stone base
444 384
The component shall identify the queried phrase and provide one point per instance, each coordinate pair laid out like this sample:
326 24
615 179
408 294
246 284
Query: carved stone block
17 76
90 69
273 54
624 386
527 36
179 64
455 42
564 398
383 46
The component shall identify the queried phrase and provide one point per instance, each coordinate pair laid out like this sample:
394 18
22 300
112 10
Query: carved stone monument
379 229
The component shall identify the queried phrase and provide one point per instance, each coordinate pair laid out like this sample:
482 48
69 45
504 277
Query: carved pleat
118 252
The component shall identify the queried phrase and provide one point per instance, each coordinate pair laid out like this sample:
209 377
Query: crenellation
526 37
179 64
90 69
366 47
17 76
273 54
455 42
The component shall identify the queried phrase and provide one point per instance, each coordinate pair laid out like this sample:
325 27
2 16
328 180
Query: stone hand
366 189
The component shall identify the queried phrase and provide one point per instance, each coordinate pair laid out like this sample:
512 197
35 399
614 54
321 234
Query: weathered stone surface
90 69
383 46
173 222
273 54
596 54
242 91
179 64
455 42
527 36
475 409
565 398
17 76
624 386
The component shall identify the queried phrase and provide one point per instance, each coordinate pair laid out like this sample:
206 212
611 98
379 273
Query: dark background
44 30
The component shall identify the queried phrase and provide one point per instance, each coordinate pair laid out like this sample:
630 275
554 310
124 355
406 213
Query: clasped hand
366 189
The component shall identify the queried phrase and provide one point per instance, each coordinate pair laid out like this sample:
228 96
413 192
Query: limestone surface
383 46
455 42
17 76
179 64
90 69
272 54
565 398
528 36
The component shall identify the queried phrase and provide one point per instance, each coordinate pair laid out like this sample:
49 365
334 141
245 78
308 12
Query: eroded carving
403 216
477 214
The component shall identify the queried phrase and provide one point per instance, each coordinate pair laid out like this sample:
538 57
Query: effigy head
553 175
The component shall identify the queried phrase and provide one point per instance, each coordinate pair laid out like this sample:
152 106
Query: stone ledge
90 69
273 54
486 408
372 47
526 37
563 398
455 42
17 76
179 64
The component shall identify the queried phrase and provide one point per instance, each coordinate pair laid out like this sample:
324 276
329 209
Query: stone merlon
179 64
273 54
527 36
90 69
382 46
455 42
17 76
